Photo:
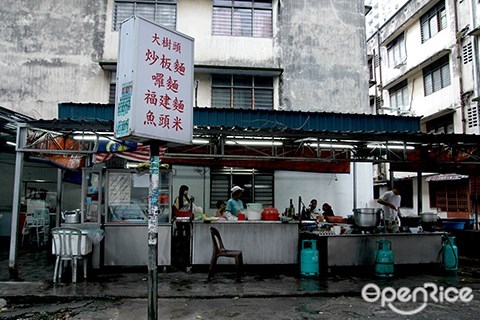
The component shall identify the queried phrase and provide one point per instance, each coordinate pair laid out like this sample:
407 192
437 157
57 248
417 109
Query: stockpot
367 217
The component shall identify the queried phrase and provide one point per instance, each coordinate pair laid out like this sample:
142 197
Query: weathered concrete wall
49 53
323 56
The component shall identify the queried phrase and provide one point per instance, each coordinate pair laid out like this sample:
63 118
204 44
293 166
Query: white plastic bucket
257 207
253 215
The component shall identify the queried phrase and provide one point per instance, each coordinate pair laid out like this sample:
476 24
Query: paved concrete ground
263 293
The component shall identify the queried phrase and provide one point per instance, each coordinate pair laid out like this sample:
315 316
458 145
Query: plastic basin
453 225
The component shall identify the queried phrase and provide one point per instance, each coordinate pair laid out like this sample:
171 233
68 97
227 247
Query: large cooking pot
367 217
71 216
428 217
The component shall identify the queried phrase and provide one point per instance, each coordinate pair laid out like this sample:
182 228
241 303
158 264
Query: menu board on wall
119 188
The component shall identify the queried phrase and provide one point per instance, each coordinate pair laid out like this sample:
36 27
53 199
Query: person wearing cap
234 204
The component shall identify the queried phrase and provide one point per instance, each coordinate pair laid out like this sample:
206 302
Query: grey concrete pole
153 232
17 185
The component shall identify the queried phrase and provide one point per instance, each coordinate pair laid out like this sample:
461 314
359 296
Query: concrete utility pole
153 232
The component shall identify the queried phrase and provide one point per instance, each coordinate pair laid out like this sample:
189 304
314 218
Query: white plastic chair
67 246
35 227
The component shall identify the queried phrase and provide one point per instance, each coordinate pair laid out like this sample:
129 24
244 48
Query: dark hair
181 191
219 203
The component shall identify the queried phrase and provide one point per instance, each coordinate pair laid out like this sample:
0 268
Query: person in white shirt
390 201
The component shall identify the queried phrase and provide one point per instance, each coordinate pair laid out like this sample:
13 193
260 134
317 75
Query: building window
370 69
399 97
436 76
434 21
467 53
163 12
441 125
258 185
242 92
396 51
450 196
246 18
113 83
473 115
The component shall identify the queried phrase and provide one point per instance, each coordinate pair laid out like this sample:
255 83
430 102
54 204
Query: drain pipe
476 84
458 46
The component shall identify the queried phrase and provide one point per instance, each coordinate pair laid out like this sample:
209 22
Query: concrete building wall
49 52
323 56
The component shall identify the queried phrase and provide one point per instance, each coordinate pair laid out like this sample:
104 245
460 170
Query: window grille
163 12
399 97
467 53
258 186
242 92
472 116
436 76
247 18
396 51
434 21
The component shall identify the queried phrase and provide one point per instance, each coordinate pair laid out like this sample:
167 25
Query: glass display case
126 210
127 196
92 195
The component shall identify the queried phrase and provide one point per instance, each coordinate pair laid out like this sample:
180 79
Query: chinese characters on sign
162 100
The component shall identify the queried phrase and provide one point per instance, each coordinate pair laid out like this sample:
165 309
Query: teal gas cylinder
384 259
309 262
449 253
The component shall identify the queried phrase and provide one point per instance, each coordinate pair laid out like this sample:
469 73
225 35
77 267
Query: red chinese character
177 46
149 119
167 43
179 67
156 38
172 84
165 63
165 102
158 80
151 97
151 56
177 123
178 105
164 121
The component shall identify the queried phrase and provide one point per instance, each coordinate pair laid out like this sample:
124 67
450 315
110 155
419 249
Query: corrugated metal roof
86 111
299 120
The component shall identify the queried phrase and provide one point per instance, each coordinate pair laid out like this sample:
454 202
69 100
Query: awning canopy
288 140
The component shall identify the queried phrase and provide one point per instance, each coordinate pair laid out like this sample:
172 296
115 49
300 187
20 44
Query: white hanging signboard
154 92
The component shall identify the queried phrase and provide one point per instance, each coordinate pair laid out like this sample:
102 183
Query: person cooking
234 204
390 201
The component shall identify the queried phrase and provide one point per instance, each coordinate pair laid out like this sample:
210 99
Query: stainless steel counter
262 242
359 249
127 244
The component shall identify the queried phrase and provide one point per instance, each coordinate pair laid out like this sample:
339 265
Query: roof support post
12 259
419 193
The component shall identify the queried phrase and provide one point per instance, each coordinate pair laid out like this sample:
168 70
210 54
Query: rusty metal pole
153 232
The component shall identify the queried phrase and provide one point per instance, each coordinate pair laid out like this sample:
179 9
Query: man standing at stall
390 201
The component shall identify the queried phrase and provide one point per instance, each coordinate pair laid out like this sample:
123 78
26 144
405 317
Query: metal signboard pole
153 232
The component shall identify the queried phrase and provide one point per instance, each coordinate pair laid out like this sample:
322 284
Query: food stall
126 199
